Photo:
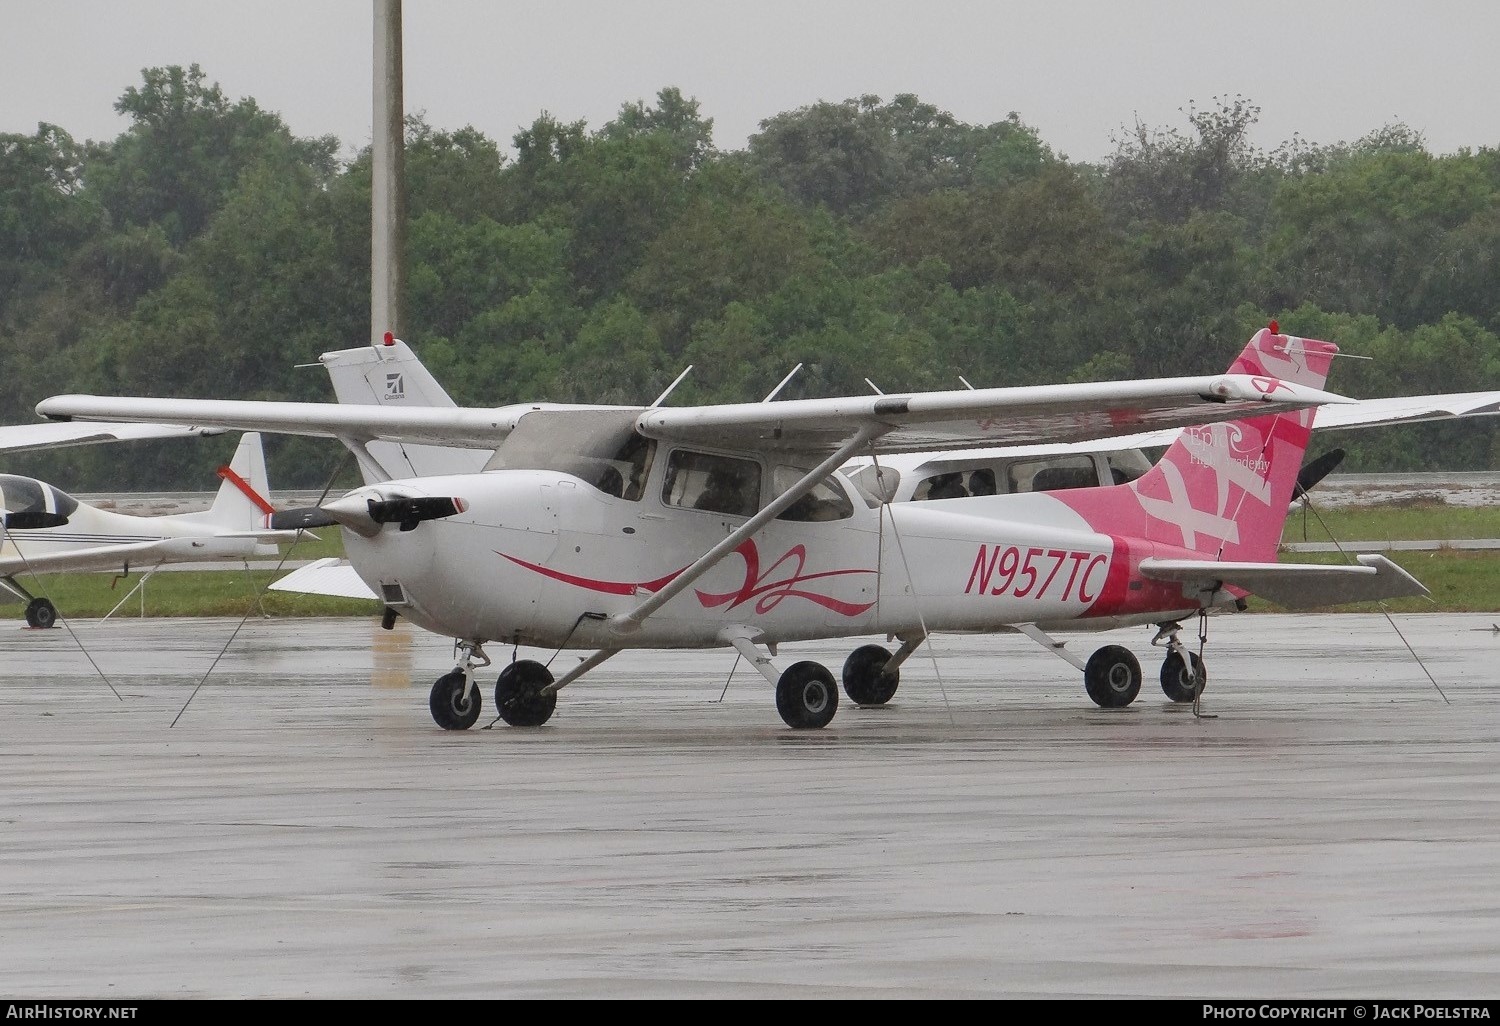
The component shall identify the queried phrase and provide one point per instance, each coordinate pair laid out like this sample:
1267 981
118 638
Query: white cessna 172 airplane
46 530
607 528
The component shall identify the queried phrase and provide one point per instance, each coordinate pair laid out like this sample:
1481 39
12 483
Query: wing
1293 585
98 557
1408 409
1402 409
925 421
29 437
469 428
894 423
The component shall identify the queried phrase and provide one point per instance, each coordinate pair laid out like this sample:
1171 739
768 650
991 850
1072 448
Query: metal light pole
387 178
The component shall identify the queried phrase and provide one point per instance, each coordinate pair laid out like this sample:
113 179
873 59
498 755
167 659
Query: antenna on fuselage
965 380
662 398
874 387
784 380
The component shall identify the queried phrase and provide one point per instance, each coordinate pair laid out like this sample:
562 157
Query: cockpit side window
941 486
625 475
712 483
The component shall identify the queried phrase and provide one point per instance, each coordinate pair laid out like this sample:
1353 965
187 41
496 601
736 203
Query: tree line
207 251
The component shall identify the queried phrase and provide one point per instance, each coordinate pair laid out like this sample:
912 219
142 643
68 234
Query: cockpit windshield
599 447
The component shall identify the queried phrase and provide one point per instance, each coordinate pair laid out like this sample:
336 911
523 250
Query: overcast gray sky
1328 70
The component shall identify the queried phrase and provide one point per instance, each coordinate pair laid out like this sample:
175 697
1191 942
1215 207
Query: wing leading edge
31 437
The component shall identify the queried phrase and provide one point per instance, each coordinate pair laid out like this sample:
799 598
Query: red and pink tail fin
1222 490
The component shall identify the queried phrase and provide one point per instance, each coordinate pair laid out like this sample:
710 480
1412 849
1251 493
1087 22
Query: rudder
243 500
1223 490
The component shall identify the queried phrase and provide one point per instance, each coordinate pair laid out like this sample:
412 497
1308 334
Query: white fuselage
98 539
541 558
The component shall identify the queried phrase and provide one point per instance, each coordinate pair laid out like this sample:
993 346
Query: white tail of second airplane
388 373
243 500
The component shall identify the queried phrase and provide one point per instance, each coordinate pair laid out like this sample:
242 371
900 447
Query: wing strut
625 623
369 466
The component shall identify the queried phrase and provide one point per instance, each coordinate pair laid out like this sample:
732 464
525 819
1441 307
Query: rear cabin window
1126 465
826 501
1053 475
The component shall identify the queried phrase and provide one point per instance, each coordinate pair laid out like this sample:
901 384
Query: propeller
365 516
1315 471
301 518
411 512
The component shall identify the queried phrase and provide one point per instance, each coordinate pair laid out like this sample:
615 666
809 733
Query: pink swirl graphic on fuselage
607 587
769 594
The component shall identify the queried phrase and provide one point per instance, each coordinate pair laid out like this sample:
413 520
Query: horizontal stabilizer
269 535
331 576
1294 585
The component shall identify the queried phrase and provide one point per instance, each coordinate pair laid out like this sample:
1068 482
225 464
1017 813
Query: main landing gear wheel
1112 677
1177 681
806 696
41 613
518 694
866 681
451 710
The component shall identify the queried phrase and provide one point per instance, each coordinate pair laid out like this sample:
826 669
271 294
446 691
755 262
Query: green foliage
854 156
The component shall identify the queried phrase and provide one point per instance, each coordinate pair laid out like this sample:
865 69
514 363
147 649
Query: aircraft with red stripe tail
47 530
605 528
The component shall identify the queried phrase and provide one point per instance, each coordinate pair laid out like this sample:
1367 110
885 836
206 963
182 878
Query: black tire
41 613
806 696
866 681
1112 677
1177 681
450 709
518 694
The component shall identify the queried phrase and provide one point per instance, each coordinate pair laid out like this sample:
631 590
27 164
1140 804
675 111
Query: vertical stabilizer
389 374
1222 491
243 500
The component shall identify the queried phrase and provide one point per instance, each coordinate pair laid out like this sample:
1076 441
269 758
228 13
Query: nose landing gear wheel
1112 677
450 709
866 680
41 613
518 694
806 696
1177 681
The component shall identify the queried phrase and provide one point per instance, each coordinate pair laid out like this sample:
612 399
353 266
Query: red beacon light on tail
1273 328
389 338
